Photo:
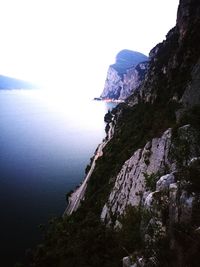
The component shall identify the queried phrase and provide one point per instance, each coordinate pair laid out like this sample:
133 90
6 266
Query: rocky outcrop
113 85
188 14
130 187
152 180
132 79
191 95
125 75
174 64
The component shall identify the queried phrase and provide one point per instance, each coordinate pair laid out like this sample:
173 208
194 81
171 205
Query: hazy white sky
70 43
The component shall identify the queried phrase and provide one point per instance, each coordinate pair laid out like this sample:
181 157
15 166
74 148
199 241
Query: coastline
112 100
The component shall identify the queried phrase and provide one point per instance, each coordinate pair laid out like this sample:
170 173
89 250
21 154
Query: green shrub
150 180
129 234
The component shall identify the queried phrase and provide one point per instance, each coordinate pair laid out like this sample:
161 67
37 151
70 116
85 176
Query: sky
67 45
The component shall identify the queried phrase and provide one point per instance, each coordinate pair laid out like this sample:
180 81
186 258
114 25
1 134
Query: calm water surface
45 144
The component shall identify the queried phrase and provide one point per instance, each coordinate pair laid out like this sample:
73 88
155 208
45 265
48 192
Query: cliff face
157 181
162 178
113 84
125 75
143 196
130 187
132 79
174 61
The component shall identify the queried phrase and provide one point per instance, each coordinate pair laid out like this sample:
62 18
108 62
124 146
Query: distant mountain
127 59
124 77
13 83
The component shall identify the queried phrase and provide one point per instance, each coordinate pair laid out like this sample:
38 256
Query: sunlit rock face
153 180
125 75
130 187
152 169
113 84
132 79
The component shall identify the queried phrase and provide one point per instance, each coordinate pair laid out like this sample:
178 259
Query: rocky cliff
175 61
162 179
142 202
125 75
157 180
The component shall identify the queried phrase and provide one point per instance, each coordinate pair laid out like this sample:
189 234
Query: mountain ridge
9 83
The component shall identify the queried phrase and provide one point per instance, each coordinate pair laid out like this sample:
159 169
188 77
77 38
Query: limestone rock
164 182
125 75
173 208
130 187
126 262
113 84
186 205
191 96
132 79
152 162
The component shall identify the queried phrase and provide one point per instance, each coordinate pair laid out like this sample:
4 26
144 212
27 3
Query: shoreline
112 100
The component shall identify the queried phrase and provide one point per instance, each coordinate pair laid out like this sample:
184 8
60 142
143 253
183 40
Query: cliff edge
125 75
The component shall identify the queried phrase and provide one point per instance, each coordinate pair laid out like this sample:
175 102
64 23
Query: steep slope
163 180
125 75
142 201
173 61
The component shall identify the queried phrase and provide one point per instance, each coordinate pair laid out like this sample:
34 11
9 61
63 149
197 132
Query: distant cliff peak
125 75
127 59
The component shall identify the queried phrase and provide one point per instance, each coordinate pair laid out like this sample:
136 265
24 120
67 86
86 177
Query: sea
45 144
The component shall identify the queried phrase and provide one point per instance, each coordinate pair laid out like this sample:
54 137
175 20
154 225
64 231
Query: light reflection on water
45 143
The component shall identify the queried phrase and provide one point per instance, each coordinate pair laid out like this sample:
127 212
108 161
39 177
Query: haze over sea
46 141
